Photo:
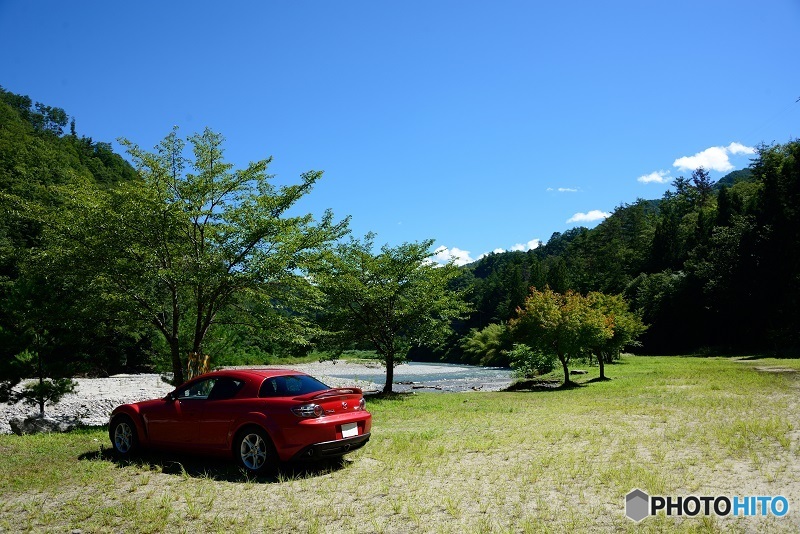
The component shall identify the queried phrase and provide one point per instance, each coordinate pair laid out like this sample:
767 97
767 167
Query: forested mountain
39 151
709 265
105 267
735 177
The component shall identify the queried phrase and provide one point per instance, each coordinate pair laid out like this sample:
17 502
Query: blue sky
483 125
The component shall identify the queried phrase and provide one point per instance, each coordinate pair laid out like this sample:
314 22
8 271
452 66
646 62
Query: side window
225 388
269 388
197 390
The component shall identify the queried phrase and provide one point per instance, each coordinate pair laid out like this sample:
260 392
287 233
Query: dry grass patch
556 460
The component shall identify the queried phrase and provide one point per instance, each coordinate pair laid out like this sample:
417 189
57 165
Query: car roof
253 373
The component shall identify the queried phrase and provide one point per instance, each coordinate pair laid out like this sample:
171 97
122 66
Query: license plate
349 430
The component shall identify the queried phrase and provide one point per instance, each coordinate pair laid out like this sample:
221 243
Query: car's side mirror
170 396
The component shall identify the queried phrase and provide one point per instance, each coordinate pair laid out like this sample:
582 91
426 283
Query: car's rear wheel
123 436
255 452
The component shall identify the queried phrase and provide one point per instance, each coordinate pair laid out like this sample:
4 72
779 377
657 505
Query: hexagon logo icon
637 505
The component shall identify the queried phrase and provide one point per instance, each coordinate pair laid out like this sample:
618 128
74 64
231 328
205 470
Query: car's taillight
308 410
362 404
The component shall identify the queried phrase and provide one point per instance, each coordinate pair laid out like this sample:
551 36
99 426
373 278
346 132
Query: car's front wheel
123 436
255 452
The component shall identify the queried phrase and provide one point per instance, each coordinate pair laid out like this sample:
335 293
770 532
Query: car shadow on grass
218 469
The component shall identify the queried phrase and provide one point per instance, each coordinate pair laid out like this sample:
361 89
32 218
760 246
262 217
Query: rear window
290 386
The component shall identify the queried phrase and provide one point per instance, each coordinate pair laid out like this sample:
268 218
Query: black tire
123 436
254 451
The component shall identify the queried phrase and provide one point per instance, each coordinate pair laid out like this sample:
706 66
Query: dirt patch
775 369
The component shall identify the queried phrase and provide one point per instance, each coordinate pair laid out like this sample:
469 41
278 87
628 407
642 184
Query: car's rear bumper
332 449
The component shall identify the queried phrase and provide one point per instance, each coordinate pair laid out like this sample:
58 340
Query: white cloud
594 215
444 255
564 189
530 245
658 177
495 251
738 148
714 158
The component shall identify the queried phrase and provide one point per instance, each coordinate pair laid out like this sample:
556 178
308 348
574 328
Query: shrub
528 362
488 346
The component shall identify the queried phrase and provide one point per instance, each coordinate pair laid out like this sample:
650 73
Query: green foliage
706 265
191 241
12 370
777 244
37 392
104 258
565 325
624 326
528 363
488 346
35 159
735 177
499 284
46 391
393 300
570 326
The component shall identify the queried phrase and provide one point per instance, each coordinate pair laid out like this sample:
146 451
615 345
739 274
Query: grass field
557 460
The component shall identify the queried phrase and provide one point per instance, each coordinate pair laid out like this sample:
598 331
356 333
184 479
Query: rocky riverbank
94 398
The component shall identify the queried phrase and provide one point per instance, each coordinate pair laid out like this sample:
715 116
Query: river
442 377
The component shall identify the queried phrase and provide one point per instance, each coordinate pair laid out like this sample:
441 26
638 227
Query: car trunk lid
336 400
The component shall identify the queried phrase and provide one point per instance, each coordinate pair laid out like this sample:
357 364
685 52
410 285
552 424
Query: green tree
729 204
392 300
703 185
777 278
528 363
191 237
44 390
624 326
487 346
562 324
35 157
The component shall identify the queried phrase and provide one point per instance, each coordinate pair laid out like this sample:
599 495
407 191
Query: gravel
95 398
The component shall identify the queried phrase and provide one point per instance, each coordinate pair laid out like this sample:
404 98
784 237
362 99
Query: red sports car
261 416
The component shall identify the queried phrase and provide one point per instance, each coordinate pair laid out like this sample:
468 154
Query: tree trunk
41 394
601 361
566 369
177 366
174 345
41 383
387 387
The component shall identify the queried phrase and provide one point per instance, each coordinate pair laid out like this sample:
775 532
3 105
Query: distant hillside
40 150
735 177
705 266
36 149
